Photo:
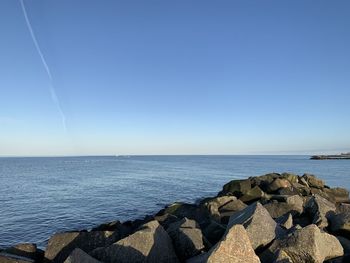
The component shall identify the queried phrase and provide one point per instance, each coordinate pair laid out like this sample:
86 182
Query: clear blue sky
175 77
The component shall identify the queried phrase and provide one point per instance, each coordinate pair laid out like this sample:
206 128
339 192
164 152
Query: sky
174 77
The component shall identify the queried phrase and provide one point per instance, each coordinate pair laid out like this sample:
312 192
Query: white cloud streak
47 69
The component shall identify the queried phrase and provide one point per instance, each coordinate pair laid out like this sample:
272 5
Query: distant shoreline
342 156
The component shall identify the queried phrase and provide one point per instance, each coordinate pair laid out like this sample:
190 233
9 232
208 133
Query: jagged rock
187 238
312 181
214 232
338 195
260 226
213 205
293 204
301 189
236 187
292 178
340 223
308 244
278 183
191 211
229 209
61 245
150 244
285 221
235 247
27 250
282 257
9 258
321 210
253 194
79 256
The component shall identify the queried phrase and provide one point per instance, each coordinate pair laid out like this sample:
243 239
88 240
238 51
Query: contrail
51 86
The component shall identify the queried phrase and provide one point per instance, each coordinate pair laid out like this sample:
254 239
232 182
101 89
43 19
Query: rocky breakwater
274 218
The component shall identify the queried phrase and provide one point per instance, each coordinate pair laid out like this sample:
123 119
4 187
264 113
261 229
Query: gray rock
214 231
187 238
260 226
285 221
9 258
235 247
213 205
341 223
277 184
79 256
293 204
150 244
27 250
308 244
321 210
61 245
236 187
338 195
252 195
313 181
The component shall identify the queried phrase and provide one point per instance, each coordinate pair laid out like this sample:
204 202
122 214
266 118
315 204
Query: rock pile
274 218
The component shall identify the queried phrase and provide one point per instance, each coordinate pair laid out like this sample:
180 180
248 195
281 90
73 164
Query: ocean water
41 196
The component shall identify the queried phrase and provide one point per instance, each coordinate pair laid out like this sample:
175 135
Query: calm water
40 196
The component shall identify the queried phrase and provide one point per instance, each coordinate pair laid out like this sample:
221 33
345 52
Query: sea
40 196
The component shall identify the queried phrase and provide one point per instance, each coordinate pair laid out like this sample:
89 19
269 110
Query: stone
313 181
340 223
9 258
345 243
321 210
338 195
61 245
187 238
236 187
213 205
260 226
150 244
343 208
27 250
292 178
214 231
79 256
282 257
277 184
229 209
293 204
235 247
301 189
252 195
285 221
308 244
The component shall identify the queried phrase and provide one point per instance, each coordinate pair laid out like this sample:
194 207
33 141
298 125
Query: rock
252 195
190 211
9 258
150 244
229 209
308 244
213 205
343 208
313 181
260 226
292 178
27 250
285 221
235 247
301 189
278 183
61 245
79 256
321 210
236 187
345 243
293 204
282 257
214 232
187 238
338 195
340 223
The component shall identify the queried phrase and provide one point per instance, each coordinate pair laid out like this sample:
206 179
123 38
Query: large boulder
187 238
61 245
340 223
260 226
338 195
10 258
252 195
285 221
312 181
277 184
320 210
235 247
308 244
293 204
213 205
236 187
27 250
79 256
150 244
214 231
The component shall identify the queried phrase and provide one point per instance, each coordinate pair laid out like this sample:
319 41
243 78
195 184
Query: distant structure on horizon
342 156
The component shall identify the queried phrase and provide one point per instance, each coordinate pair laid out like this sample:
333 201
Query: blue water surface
41 196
